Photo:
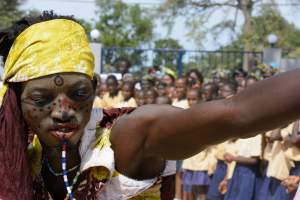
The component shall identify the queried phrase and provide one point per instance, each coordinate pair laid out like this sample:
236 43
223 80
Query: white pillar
96 48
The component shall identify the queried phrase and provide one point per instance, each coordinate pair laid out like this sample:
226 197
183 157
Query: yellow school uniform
181 104
291 152
250 147
221 149
267 154
231 148
130 103
226 147
279 164
98 102
213 161
203 161
112 102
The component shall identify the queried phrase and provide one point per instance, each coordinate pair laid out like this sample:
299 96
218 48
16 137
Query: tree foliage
199 15
9 12
247 31
270 21
168 55
123 25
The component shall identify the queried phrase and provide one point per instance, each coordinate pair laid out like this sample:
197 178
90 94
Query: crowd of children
264 167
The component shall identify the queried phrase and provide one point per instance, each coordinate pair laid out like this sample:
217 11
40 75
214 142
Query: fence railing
179 59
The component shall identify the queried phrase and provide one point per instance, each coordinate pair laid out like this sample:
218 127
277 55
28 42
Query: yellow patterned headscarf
46 48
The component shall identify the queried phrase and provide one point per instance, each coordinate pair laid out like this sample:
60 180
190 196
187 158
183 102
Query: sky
86 9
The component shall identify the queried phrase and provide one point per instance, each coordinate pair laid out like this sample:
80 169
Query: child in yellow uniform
292 152
180 102
278 168
224 169
195 177
266 157
139 97
242 185
226 91
98 102
114 96
100 92
127 92
244 181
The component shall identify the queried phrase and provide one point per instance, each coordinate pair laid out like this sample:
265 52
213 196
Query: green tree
123 25
9 12
167 55
198 15
270 21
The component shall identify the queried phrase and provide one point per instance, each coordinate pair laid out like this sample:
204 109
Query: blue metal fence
178 59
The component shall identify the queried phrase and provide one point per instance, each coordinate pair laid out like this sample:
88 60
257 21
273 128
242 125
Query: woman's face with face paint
58 107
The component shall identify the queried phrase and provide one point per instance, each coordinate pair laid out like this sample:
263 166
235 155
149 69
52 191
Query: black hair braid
8 35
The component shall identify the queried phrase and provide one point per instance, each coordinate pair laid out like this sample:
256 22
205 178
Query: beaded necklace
65 172
59 173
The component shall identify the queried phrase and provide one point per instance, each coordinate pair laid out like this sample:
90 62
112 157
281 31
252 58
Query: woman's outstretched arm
157 132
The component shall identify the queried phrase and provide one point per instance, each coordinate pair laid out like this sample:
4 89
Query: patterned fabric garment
99 180
16 181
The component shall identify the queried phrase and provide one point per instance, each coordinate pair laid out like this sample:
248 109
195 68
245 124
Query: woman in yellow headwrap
77 152
49 81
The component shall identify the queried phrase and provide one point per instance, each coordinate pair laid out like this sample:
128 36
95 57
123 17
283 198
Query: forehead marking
59 81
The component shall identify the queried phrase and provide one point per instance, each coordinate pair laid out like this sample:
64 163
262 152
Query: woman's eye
81 94
40 100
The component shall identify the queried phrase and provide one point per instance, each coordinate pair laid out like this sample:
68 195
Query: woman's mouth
63 132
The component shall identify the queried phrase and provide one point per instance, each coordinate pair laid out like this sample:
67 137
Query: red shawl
16 182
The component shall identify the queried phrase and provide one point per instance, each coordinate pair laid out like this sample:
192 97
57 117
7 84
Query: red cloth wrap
110 115
16 181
